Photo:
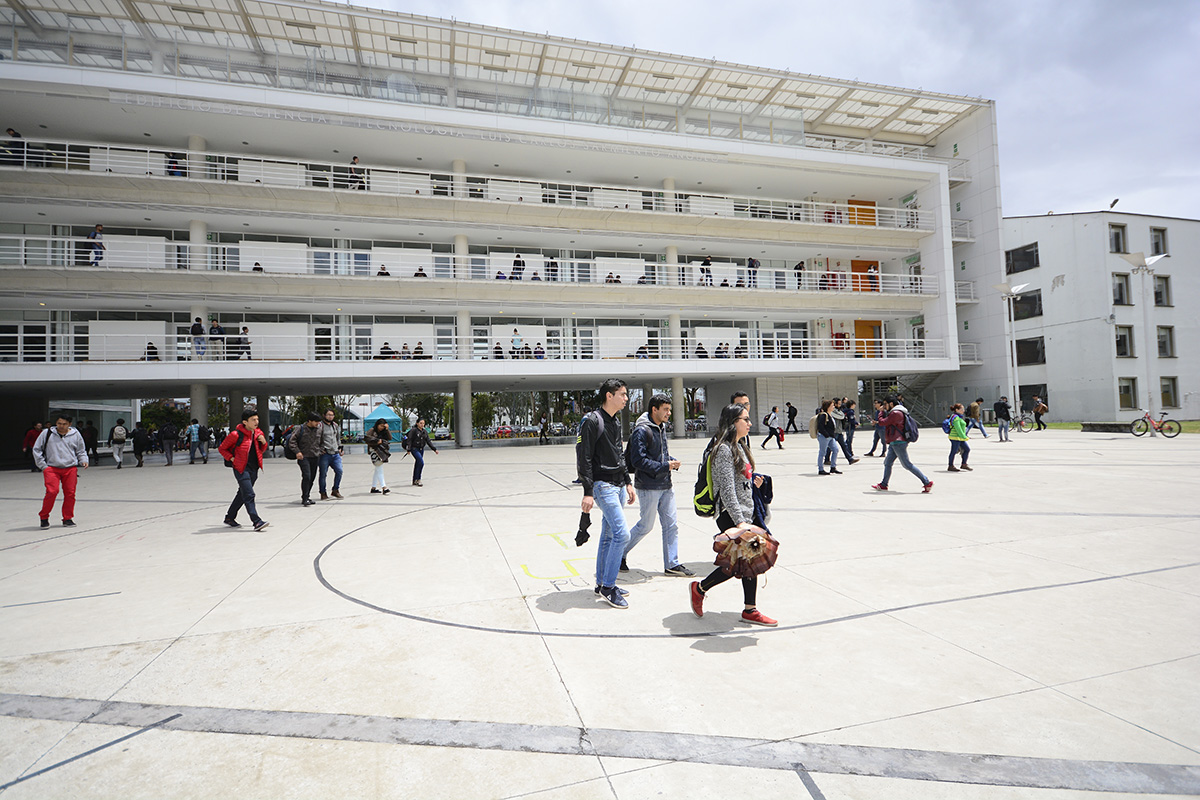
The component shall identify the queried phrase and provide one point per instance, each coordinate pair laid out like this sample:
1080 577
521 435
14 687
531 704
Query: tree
287 410
483 410
314 403
155 413
429 406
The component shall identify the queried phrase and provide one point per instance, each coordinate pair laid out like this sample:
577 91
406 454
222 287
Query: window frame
1032 296
1165 295
1163 235
1123 279
1131 383
1170 331
1021 345
1009 259
1127 332
1118 228
1162 395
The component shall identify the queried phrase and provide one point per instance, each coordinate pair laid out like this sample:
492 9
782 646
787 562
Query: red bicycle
1167 427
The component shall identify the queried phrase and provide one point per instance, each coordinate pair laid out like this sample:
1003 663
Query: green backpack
704 500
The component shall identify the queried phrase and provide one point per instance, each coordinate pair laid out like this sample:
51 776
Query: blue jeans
826 445
1002 429
974 423
613 535
201 447
878 440
661 501
323 464
899 449
957 447
245 495
418 455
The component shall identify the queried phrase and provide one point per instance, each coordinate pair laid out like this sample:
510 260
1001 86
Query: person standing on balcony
331 453
31 437
1003 413
600 464
894 422
873 277
706 277
97 238
358 176
243 450
415 443
652 468
518 268
752 265
973 412
117 435
13 150
59 453
199 346
305 444
216 339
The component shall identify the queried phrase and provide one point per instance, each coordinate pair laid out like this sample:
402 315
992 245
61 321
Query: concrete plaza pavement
1027 630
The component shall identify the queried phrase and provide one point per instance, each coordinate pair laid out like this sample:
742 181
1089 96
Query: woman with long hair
733 476
378 441
827 439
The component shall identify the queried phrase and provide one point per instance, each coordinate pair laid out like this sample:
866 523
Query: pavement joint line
819 758
556 480
809 784
60 600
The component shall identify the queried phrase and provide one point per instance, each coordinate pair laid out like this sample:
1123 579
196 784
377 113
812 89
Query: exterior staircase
911 386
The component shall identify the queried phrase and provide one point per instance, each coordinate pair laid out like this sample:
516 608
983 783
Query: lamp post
1141 266
1009 293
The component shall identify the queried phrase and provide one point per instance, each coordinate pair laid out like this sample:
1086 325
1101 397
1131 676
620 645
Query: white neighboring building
1097 338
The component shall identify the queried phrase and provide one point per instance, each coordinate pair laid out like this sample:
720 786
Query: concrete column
459 167
198 251
669 193
263 404
674 334
462 257
199 395
237 405
678 410
462 334
647 393
197 165
462 414
674 274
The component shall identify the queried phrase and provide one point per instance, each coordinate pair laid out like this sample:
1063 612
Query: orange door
860 281
862 212
867 333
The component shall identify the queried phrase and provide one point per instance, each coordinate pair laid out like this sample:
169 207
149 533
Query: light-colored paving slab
1040 607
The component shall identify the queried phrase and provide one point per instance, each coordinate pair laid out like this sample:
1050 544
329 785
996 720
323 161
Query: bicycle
1167 427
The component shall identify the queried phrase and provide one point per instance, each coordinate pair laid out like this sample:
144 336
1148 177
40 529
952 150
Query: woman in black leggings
732 474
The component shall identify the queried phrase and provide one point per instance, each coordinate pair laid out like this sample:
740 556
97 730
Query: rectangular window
1158 241
1166 341
1028 305
1021 259
1162 290
1120 283
1116 239
1031 351
1127 393
1124 341
1169 388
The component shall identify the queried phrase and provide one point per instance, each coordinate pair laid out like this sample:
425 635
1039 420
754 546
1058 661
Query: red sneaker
927 488
697 599
879 487
756 617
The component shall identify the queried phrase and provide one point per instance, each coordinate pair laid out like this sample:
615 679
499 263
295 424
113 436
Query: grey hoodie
54 450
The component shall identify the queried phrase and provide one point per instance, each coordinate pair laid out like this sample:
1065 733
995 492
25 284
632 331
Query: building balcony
968 354
964 292
960 230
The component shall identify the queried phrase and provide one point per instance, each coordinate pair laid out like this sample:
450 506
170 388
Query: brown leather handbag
745 551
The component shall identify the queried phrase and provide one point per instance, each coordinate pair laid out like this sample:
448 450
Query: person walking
652 468
850 423
839 417
141 441
827 450
243 450
277 438
415 443
879 414
378 441
1039 408
96 236
973 414
544 430
600 465
60 453
168 435
117 435
792 411
31 437
91 438
1003 412
958 437
733 477
894 423
331 453
772 423
197 436
305 445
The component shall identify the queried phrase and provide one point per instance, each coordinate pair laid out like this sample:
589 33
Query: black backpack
287 440
766 419
241 437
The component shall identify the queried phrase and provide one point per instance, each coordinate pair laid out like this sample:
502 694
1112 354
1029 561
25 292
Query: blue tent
382 411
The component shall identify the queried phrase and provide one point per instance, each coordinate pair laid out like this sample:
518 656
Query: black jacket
418 439
598 454
1002 408
650 456
825 425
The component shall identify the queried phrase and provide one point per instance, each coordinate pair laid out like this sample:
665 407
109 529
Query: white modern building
1097 332
545 212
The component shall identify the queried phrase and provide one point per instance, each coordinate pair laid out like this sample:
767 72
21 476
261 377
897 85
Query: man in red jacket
243 450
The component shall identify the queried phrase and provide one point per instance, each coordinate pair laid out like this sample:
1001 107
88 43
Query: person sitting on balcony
535 277
701 351
405 353
610 278
151 352
518 268
526 352
385 352
741 284
498 352
642 352
13 151
420 273
418 352
642 280
257 267
500 275
617 279
358 176
722 350
725 282
739 351
823 282
539 352
383 273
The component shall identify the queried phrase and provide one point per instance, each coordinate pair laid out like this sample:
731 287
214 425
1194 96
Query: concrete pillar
197 164
462 257
674 274
674 337
236 406
459 167
263 404
462 335
678 407
647 393
462 414
199 395
198 251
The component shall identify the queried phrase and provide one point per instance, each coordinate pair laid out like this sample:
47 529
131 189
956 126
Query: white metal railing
968 352
960 229
423 343
964 291
81 156
394 263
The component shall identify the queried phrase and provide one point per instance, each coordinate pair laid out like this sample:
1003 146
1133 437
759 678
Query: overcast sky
1096 100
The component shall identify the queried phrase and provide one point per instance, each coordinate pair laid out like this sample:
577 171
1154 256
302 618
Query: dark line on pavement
731 751
89 752
556 480
59 600
809 783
